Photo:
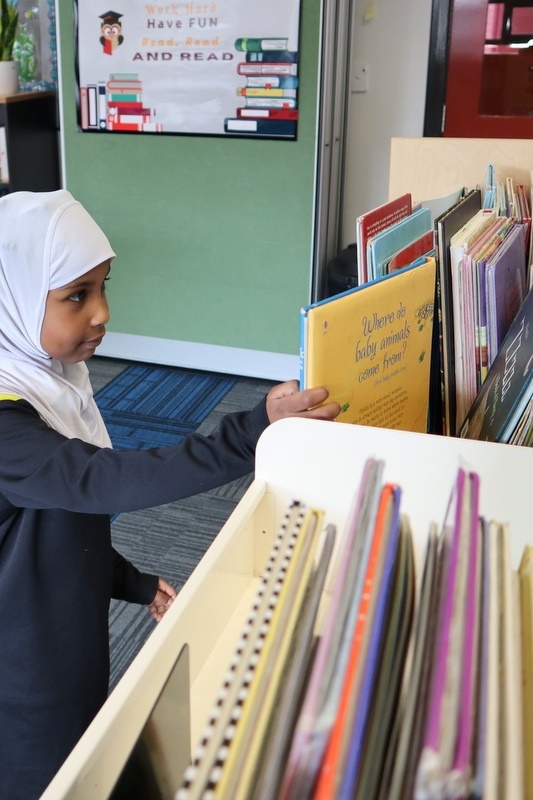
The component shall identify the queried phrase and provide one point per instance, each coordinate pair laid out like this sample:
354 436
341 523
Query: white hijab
47 240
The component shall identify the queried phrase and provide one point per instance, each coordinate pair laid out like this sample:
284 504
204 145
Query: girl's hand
164 597
286 400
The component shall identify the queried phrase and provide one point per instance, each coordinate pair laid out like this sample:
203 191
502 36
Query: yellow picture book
371 346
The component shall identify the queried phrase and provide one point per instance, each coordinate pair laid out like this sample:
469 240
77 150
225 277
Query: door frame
454 65
439 42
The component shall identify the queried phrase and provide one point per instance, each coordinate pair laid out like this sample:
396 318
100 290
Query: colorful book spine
267 113
115 125
124 96
261 45
84 108
274 56
270 102
332 765
267 68
263 91
272 82
102 106
129 108
263 127
92 106
122 85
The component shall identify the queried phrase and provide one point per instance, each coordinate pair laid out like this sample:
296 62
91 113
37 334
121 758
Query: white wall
392 38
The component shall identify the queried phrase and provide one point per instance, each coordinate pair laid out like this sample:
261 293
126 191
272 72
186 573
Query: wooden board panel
435 167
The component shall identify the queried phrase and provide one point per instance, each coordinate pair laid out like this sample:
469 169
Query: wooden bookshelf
32 135
319 463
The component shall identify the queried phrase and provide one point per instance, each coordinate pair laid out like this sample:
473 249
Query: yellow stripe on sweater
9 397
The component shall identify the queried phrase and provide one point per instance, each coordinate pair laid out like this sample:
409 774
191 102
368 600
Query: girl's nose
101 312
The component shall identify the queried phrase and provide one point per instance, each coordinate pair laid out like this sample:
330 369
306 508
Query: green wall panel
212 234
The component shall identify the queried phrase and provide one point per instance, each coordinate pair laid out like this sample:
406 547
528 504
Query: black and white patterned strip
195 775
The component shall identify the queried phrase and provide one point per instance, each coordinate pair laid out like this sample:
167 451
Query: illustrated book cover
371 346
372 222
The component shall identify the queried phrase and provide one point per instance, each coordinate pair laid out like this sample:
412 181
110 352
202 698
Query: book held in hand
371 346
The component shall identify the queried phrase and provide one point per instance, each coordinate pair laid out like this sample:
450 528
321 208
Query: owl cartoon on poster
111 32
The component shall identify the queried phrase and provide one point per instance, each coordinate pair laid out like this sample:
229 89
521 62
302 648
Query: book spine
303 346
274 56
267 113
270 102
102 106
272 82
124 107
265 127
130 119
267 68
124 76
125 111
130 97
256 91
124 86
260 45
152 127
92 106
84 108
115 125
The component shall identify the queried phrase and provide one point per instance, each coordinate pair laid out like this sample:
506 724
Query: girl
60 480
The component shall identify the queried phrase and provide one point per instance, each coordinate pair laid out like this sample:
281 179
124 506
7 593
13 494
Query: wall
213 235
199 258
392 39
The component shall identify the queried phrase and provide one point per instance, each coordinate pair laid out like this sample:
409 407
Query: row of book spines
127 113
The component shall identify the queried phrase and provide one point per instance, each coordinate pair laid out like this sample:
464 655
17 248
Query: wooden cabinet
31 126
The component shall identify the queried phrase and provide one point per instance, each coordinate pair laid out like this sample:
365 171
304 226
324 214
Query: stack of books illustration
269 91
116 105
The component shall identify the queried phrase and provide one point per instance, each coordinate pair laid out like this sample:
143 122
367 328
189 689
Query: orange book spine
331 765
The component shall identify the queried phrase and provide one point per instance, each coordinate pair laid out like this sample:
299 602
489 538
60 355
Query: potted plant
9 18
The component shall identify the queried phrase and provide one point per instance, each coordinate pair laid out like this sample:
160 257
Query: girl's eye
77 297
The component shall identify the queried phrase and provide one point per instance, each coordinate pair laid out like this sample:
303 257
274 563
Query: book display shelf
30 124
319 464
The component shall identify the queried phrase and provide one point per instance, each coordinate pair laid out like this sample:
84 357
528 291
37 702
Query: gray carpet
169 540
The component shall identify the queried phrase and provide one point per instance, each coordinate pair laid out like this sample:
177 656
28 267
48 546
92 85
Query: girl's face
75 317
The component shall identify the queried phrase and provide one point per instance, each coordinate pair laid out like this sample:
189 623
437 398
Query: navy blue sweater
58 571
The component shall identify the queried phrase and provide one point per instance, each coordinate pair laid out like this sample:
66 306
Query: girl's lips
95 342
